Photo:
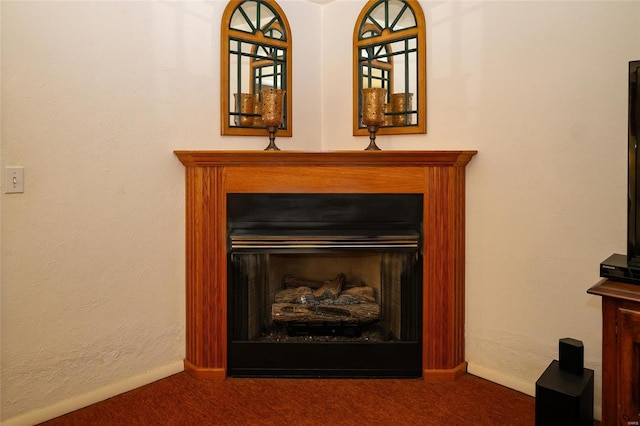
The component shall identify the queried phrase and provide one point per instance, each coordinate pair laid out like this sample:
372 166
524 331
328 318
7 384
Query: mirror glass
255 54
389 52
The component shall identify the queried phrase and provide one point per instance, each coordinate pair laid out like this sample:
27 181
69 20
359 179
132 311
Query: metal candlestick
372 139
272 139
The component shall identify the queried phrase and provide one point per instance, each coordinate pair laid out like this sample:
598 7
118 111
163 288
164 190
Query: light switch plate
13 179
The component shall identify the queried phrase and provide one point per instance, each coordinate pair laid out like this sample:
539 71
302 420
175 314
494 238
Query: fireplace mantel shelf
438 175
325 158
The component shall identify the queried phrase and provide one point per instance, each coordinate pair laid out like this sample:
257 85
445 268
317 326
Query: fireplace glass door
319 286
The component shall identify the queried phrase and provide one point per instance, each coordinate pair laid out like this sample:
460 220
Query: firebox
324 285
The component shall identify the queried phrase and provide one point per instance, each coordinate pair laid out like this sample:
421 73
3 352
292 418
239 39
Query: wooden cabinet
620 352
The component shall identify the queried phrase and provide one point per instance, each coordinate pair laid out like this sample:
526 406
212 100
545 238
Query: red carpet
183 400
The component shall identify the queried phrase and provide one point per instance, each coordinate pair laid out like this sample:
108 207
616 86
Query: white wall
97 95
540 90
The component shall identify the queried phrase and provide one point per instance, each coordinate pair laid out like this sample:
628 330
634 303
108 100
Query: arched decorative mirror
255 55
389 51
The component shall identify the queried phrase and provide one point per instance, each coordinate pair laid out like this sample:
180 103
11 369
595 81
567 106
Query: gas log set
334 301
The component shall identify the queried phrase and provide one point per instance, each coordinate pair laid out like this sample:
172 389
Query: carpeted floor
183 400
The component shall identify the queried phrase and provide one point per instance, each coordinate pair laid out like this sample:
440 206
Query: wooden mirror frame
258 39
386 36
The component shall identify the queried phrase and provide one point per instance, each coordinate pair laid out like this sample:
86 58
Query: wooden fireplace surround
438 175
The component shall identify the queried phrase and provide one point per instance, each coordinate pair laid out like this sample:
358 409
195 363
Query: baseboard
100 394
528 388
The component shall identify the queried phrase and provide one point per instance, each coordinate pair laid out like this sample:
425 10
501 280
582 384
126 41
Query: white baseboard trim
494 376
100 394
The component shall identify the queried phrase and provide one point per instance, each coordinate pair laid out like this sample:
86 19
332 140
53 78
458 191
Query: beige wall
540 90
97 95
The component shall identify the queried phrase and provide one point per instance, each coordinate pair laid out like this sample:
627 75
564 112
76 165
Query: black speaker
571 354
564 398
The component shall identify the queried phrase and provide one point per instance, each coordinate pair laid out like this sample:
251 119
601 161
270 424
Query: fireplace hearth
277 243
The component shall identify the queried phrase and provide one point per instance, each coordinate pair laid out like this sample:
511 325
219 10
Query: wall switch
13 179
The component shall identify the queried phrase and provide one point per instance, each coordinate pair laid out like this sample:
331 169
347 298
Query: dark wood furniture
620 352
438 175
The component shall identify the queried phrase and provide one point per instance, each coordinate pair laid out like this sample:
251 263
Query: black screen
633 225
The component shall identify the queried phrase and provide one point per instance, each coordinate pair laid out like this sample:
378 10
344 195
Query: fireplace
324 285
265 230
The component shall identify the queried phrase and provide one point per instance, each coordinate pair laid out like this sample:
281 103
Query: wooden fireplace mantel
438 175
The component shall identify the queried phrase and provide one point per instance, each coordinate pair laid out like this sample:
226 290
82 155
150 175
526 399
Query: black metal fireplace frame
365 215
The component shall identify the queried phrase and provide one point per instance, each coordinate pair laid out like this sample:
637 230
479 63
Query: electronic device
633 228
571 355
616 267
619 267
564 392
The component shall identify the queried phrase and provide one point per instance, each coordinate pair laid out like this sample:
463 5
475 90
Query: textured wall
540 90
96 96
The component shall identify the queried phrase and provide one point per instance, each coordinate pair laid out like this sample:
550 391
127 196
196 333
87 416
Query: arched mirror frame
385 36
258 40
